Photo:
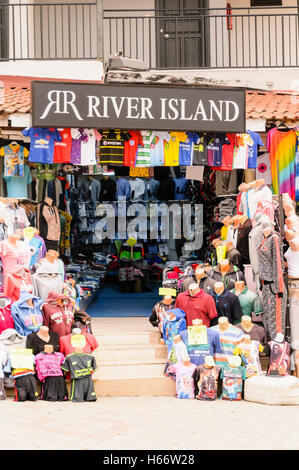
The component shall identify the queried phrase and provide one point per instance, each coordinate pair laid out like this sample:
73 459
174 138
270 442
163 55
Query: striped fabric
229 339
281 146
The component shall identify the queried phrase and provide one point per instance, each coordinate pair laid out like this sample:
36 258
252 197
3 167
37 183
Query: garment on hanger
137 189
200 150
111 146
172 147
41 143
17 186
48 223
186 149
130 148
157 148
14 159
214 149
242 240
6 320
62 148
89 190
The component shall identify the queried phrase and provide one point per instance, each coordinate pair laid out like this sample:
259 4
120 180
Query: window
265 3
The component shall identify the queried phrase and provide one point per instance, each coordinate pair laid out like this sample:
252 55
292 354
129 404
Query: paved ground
147 423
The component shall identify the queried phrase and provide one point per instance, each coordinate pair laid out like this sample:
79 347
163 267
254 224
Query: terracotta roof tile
15 100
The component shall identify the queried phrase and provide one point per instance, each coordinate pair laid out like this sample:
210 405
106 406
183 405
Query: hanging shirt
171 148
214 148
228 153
279 363
282 148
62 149
240 160
6 320
130 148
186 149
17 186
112 147
232 382
184 381
200 150
206 382
88 147
253 149
297 167
143 156
41 143
157 148
14 156
78 136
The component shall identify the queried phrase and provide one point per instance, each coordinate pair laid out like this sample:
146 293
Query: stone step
128 337
137 386
130 369
113 353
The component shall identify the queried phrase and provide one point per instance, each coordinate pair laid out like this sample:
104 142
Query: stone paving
152 423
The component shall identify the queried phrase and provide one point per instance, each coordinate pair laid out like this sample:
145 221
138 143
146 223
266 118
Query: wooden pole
100 31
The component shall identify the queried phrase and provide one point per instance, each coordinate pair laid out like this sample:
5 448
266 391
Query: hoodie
6 320
27 319
228 279
57 316
17 281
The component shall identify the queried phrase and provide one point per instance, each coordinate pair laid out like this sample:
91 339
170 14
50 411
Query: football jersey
79 365
215 149
171 148
62 149
200 150
228 153
41 143
143 156
131 147
157 148
112 146
186 149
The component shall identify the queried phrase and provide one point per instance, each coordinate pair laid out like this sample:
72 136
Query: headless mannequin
247 339
258 183
186 361
239 287
43 333
29 302
223 323
199 274
48 201
14 238
209 362
219 288
236 221
246 323
242 219
294 243
167 299
48 349
229 246
50 256
196 322
279 338
234 361
289 209
227 221
224 266
267 231
194 289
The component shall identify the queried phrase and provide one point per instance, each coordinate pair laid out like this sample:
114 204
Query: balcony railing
162 39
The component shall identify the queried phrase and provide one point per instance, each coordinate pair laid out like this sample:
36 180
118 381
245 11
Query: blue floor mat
111 302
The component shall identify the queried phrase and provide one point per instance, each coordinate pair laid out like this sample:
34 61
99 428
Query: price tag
78 341
131 241
22 359
167 291
197 334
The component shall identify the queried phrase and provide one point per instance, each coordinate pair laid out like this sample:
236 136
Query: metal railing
162 39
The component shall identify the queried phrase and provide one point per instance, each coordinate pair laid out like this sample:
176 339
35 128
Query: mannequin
223 324
229 336
292 257
233 375
239 287
48 201
224 266
48 223
279 363
58 313
226 225
246 323
219 288
158 313
206 380
48 348
227 303
242 245
49 373
43 333
184 378
37 341
274 293
196 303
206 283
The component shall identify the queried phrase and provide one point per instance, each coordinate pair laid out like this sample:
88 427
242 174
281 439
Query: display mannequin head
246 323
167 300
223 323
227 220
43 332
48 201
177 339
14 238
224 265
239 286
48 349
50 256
267 231
236 220
289 235
218 287
292 223
279 338
194 289
196 322
243 187
294 243
199 274
234 361
289 209
216 242
242 219
247 339
186 361
209 361
54 253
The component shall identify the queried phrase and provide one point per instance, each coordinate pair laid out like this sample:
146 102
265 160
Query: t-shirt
112 146
279 363
37 344
282 148
143 156
157 148
171 148
197 353
228 153
200 150
257 333
232 383
66 348
62 149
253 149
186 149
183 379
88 147
228 305
130 148
41 143
214 148
17 186
79 365
206 382
14 256
48 365
13 159
249 354
78 136
250 302
240 160
229 339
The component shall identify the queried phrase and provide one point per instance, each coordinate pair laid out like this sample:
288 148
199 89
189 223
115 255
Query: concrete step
136 386
128 337
112 353
130 369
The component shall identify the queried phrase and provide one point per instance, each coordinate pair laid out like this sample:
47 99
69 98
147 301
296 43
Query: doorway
182 34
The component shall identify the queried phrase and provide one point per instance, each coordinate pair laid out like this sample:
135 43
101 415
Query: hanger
283 126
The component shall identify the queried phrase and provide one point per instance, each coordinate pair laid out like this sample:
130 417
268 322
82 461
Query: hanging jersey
143 157
112 146
171 148
14 156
